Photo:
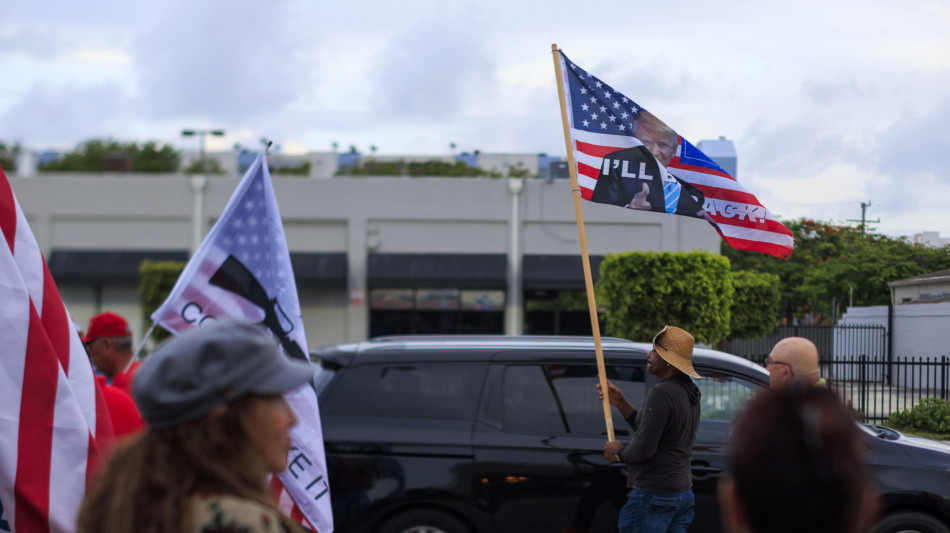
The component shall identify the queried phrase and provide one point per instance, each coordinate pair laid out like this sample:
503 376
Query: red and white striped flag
626 156
54 425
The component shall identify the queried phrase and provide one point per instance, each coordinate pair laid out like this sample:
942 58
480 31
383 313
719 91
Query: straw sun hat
675 346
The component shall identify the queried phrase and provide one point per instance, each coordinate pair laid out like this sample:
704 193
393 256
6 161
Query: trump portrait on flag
624 155
632 178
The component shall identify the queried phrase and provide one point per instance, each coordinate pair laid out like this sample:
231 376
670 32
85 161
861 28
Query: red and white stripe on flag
287 505
54 426
736 214
742 221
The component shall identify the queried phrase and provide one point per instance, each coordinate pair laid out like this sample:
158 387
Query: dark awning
320 269
473 271
100 266
105 266
560 272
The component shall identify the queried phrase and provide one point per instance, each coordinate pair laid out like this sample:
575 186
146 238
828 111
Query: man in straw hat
658 457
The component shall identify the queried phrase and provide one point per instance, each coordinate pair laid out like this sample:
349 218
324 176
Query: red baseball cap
106 324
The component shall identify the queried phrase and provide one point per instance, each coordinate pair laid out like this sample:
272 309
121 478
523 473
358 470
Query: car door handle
704 470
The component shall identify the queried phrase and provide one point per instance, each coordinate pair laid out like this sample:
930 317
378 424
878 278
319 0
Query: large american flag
602 123
54 425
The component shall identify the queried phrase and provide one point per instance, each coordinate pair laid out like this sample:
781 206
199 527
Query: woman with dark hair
797 466
217 426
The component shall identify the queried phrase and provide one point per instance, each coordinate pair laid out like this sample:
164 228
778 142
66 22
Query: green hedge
931 415
755 305
156 280
643 291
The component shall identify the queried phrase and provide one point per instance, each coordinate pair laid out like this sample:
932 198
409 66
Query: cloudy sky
829 103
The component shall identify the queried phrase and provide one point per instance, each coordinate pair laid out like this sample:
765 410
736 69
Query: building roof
939 276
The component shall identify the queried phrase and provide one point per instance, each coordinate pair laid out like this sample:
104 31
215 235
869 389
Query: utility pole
199 184
864 221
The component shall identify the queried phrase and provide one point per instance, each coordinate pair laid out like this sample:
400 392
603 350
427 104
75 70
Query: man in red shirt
125 416
108 342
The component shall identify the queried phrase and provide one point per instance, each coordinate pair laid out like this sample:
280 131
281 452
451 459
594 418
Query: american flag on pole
626 156
54 425
242 270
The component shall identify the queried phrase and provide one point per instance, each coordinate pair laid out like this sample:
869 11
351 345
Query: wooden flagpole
582 236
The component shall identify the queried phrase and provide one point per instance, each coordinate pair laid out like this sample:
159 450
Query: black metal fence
832 341
876 387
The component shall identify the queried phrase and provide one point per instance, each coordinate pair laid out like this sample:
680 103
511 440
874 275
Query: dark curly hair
797 463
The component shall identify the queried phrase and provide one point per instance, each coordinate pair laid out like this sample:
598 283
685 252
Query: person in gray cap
218 424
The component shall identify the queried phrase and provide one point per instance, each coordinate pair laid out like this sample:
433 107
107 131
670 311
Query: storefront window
391 299
436 311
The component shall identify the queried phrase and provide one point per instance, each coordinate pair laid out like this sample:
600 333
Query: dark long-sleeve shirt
658 458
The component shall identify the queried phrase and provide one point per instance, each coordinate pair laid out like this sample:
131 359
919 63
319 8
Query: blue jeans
656 512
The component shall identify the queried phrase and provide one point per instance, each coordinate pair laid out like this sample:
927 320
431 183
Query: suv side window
723 398
562 399
434 391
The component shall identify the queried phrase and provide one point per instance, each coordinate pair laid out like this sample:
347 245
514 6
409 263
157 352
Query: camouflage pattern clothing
228 514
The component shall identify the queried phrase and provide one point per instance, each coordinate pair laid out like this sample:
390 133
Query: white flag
242 270
54 425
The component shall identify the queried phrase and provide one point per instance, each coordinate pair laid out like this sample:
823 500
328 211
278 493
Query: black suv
505 434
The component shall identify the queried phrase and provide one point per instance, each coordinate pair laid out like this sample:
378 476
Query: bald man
794 359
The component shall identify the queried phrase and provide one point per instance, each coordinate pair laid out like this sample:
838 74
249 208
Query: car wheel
910 522
424 521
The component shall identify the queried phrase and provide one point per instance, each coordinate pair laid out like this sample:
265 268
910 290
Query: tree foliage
435 167
830 261
430 168
303 169
643 291
373 167
755 304
156 280
90 156
209 166
520 171
8 156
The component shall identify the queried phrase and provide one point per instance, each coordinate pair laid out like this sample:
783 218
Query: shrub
931 415
755 305
156 280
643 291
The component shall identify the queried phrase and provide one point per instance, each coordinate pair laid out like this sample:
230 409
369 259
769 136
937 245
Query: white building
723 152
930 238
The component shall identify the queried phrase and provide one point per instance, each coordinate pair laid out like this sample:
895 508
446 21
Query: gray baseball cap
217 363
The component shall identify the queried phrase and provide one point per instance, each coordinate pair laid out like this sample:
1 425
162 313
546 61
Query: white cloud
815 94
63 117
223 60
431 71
